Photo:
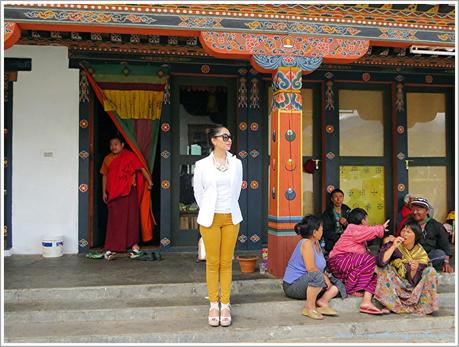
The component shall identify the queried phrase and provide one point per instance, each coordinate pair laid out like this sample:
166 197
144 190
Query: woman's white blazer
205 188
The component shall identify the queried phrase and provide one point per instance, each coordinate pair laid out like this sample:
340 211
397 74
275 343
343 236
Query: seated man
435 240
334 219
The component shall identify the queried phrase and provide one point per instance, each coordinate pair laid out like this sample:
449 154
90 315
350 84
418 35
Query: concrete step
249 326
157 291
164 309
406 337
141 291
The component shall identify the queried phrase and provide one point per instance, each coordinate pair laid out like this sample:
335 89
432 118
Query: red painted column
285 174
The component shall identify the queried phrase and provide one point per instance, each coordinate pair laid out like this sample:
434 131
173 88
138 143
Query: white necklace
221 167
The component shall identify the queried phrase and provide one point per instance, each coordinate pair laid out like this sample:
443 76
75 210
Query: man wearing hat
435 240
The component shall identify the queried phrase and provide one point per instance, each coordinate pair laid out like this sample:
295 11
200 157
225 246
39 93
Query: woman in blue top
305 276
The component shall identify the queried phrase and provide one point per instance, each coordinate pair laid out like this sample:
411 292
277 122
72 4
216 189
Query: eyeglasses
225 137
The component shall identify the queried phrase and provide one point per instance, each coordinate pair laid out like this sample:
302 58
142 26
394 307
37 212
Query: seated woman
407 284
304 277
351 263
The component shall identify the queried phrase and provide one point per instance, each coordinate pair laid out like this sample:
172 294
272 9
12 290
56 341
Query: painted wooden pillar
242 136
400 156
255 224
285 206
285 174
250 139
331 135
166 169
85 220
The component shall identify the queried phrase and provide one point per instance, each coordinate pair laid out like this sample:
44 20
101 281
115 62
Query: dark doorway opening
104 129
197 105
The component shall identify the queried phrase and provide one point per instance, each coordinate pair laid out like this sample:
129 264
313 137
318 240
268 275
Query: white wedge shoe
225 321
214 321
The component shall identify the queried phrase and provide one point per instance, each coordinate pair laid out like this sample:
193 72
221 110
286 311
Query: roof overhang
380 26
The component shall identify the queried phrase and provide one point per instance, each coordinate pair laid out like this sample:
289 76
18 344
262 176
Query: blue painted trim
290 219
272 62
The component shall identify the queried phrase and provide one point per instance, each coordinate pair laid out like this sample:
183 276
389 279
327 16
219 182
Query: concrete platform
34 271
78 300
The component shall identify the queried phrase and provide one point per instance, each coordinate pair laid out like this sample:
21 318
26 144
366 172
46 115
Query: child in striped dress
352 264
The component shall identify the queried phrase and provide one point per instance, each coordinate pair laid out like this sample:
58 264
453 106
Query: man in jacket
334 219
435 240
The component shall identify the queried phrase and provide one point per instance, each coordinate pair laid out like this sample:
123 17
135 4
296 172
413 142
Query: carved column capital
12 34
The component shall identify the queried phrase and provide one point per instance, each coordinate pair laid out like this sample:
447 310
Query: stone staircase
176 313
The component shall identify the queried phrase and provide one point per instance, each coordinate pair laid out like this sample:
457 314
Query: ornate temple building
357 97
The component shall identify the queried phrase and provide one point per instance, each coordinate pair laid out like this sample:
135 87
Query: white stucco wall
45 122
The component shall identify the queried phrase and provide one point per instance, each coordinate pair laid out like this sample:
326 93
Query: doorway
197 104
103 129
365 147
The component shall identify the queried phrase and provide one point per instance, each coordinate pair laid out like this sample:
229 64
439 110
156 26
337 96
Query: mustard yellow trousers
220 240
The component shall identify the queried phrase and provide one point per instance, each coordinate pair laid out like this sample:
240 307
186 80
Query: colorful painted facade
295 81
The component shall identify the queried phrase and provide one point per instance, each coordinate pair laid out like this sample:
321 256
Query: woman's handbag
201 250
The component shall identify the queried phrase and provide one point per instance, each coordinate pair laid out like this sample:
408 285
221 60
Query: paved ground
34 271
73 299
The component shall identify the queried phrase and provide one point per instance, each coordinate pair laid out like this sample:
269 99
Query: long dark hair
357 215
418 235
212 132
308 224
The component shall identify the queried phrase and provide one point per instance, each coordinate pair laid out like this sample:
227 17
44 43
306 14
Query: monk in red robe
119 192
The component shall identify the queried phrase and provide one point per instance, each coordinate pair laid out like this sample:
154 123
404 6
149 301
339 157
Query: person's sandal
327 311
135 253
370 310
214 321
314 314
225 321
94 255
109 255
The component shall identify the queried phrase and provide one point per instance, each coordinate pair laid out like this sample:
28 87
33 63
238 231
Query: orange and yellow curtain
132 96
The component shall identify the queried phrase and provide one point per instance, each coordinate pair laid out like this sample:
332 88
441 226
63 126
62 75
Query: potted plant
247 263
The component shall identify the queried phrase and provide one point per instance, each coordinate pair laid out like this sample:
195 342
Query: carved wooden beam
269 51
12 34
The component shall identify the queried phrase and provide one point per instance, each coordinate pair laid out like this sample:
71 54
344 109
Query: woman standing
217 185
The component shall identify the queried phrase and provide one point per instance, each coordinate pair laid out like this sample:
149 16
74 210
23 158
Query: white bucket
52 246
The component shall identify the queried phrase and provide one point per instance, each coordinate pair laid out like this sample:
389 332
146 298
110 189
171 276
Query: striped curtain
132 95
